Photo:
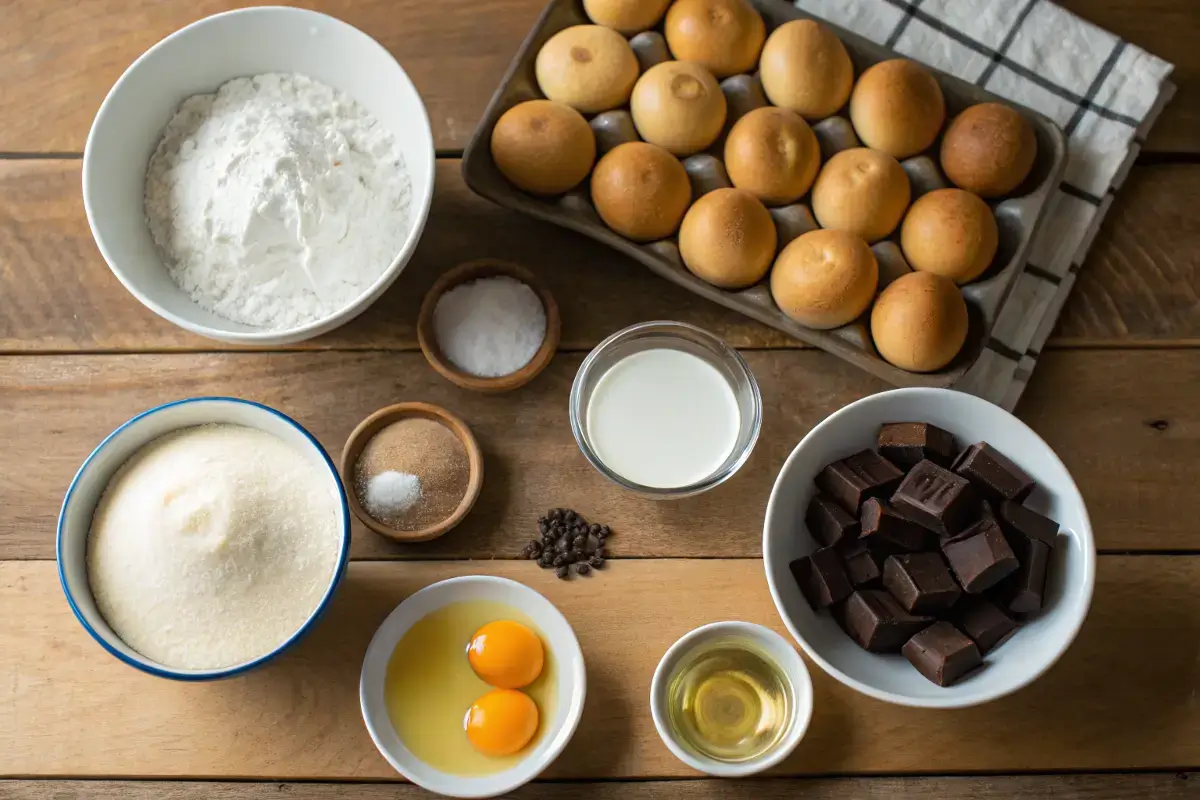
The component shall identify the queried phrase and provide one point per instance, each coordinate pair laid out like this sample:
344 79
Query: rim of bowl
675 492
308 329
983 696
162 671
795 670
562 736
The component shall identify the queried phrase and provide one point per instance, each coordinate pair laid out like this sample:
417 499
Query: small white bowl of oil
731 699
426 702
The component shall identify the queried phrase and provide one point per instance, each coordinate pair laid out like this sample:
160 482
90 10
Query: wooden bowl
380 420
474 270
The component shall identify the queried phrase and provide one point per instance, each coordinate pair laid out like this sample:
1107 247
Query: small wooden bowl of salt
412 471
489 325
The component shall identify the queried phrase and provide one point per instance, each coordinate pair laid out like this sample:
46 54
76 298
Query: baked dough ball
728 239
626 16
805 68
773 154
950 232
988 149
641 191
679 106
897 107
919 322
825 279
588 67
862 191
723 36
543 147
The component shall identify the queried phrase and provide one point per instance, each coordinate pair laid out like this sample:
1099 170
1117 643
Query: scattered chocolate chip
567 539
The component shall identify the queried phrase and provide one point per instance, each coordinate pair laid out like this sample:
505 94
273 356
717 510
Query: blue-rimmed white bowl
75 519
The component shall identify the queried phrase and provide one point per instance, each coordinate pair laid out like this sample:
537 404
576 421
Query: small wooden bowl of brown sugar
489 326
412 471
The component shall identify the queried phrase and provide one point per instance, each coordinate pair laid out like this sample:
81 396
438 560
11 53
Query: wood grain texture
59 58
1125 422
1141 283
1123 697
1181 786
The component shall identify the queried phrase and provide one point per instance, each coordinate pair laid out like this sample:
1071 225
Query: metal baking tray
1018 217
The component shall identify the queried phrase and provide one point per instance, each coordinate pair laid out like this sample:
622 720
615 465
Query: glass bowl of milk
665 409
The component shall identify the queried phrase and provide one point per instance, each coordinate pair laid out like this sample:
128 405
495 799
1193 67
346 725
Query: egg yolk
506 654
501 722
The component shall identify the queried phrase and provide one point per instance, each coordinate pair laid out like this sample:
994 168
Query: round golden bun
861 191
988 149
950 232
723 36
626 16
919 322
678 105
728 239
897 107
805 68
543 147
588 67
825 279
641 191
773 154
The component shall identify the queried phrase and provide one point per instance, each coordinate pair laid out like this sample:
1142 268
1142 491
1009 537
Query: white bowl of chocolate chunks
927 548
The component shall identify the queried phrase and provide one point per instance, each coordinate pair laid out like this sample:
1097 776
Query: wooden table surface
1118 396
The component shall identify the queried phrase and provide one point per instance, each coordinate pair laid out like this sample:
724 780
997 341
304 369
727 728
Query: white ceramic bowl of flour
75 520
198 59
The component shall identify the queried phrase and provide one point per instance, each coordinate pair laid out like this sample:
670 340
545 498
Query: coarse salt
392 493
490 327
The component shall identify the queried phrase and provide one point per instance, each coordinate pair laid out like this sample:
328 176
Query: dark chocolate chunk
921 582
877 622
936 498
858 477
942 653
980 557
864 567
984 622
887 531
828 522
993 473
907 443
821 578
1021 592
1017 521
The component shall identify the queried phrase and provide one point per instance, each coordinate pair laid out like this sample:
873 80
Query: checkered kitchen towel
1104 93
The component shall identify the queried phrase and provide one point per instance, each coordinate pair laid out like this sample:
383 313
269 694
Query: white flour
276 201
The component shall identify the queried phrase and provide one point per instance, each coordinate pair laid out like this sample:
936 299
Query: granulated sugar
212 545
490 327
417 447
391 493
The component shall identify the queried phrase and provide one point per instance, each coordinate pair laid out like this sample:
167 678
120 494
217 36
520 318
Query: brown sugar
420 447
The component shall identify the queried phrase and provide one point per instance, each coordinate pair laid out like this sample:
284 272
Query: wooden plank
1181 786
59 58
1140 285
1124 422
1123 697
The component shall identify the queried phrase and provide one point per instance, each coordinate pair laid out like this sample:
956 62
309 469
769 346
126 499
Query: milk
663 418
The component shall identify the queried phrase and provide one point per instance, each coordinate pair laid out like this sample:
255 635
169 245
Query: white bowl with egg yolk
557 637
